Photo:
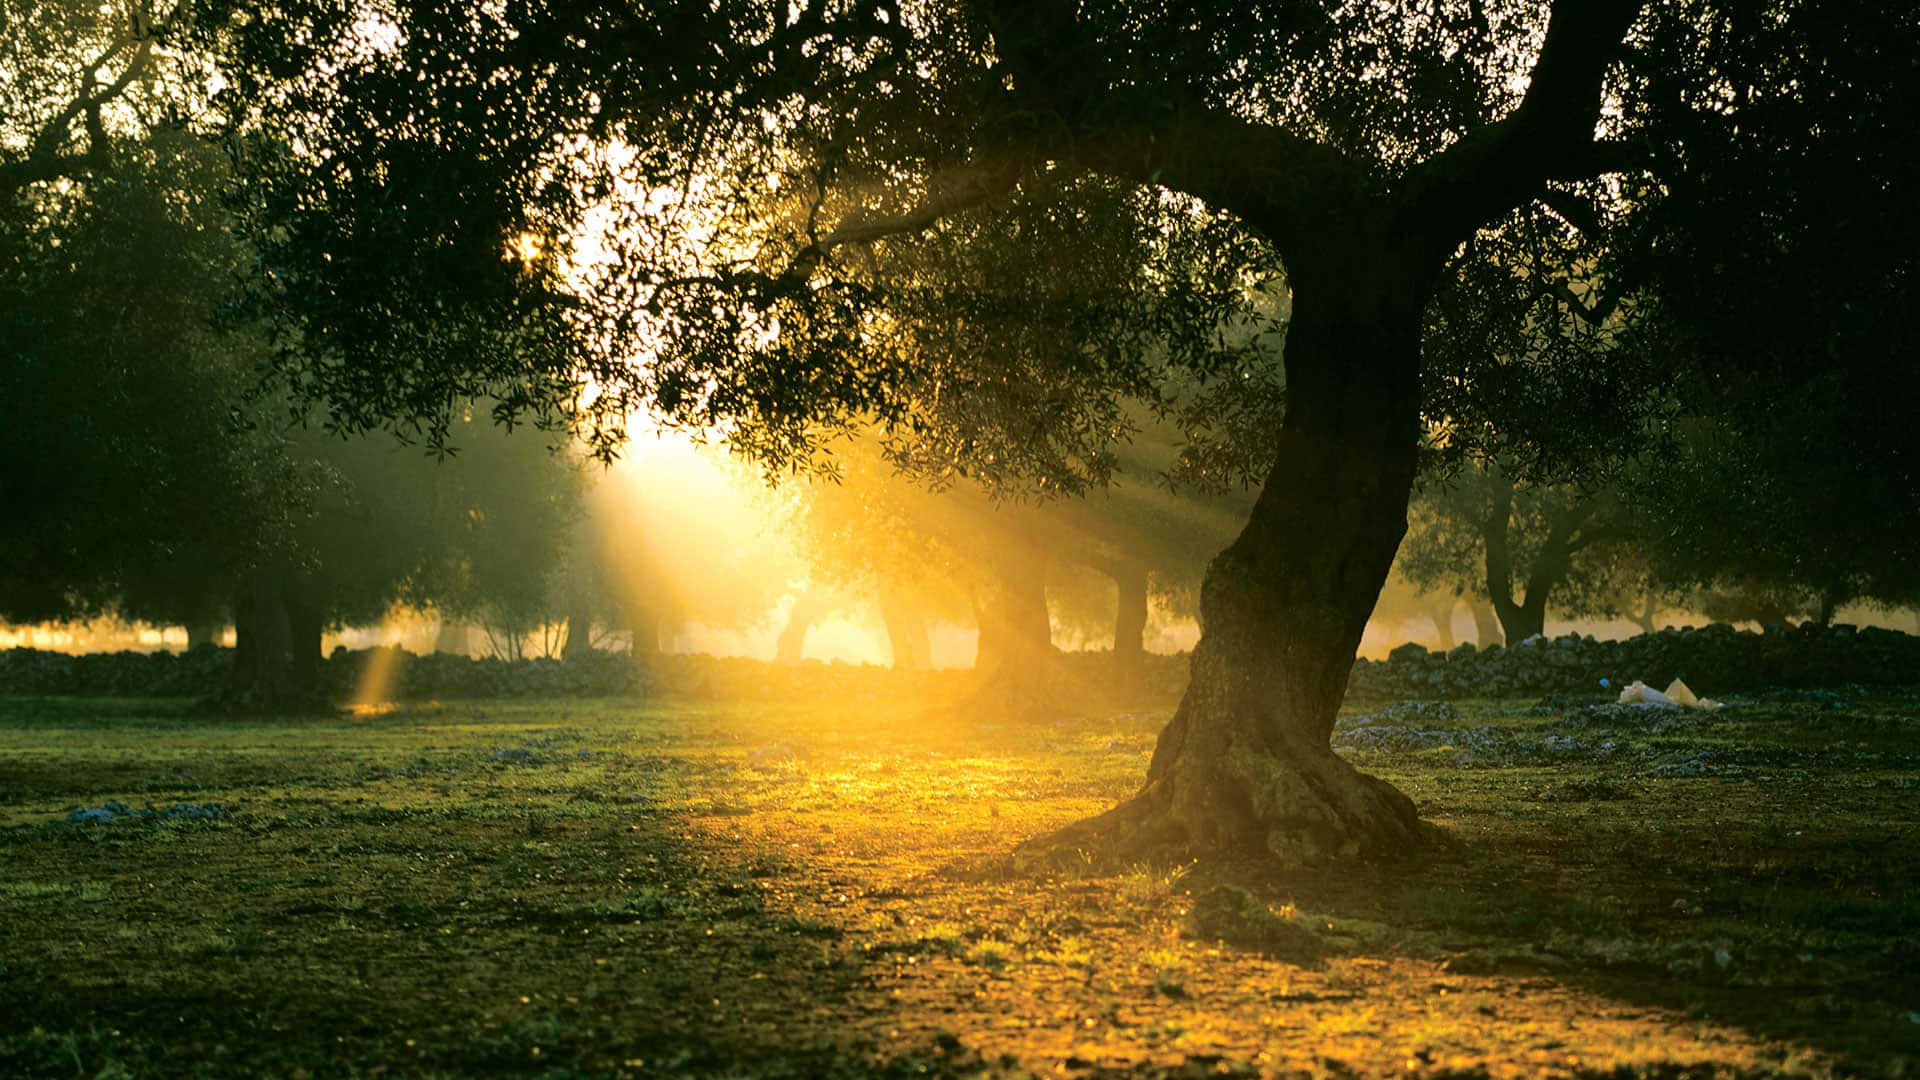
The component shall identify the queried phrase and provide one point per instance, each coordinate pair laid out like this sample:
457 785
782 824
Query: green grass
611 888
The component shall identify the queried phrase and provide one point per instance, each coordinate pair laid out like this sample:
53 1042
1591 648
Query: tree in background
1480 534
505 516
1781 247
174 489
145 482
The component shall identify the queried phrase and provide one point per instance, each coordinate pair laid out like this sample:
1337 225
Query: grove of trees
1564 260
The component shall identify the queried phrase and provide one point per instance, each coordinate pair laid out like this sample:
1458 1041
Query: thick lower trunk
305 628
1830 601
269 652
245 637
1522 621
906 632
203 633
1486 625
1130 625
1245 763
1442 616
454 637
1016 635
808 608
579 642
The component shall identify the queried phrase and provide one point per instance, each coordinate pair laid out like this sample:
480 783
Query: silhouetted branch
1548 136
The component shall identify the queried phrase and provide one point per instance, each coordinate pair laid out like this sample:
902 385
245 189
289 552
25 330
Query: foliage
1518 546
1785 283
152 489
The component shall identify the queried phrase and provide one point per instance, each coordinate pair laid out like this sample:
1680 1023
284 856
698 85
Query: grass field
619 889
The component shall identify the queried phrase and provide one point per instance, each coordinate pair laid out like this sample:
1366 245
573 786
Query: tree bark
453 637
1831 598
1245 764
269 652
1016 635
305 628
1566 537
1442 616
1643 617
245 636
1130 624
808 608
579 635
645 644
906 632
203 632
1486 625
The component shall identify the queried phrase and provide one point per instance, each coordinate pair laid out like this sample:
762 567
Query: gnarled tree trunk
1486 625
1442 615
453 637
808 608
202 633
906 632
267 650
1245 764
579 644
1130 624
1016 636
306 625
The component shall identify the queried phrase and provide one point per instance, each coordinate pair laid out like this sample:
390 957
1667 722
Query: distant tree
1517 546
1776 502
503 517
149 487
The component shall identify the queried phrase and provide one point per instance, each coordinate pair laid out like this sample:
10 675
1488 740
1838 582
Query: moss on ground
598 888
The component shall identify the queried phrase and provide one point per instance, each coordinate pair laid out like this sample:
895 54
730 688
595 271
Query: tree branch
44 159
1074 110
949 192
1548 136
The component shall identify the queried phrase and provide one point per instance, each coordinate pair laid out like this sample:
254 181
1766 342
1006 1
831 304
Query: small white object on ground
1677 693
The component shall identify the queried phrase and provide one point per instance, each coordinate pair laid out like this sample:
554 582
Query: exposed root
1309 808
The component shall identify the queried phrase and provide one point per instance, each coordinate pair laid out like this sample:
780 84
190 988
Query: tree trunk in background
203 632
1016 635
453 637
305 628
1130 624
579 634
906 632
1486 625
1519 620
245 637
1831 598
987 647
1245 764
808 608
1643 618
1566 536
1442 616
269 652
646 634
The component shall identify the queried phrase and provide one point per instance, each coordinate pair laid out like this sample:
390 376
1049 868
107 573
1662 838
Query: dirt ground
571 889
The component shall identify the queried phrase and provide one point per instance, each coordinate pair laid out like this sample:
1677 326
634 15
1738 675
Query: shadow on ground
595 889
